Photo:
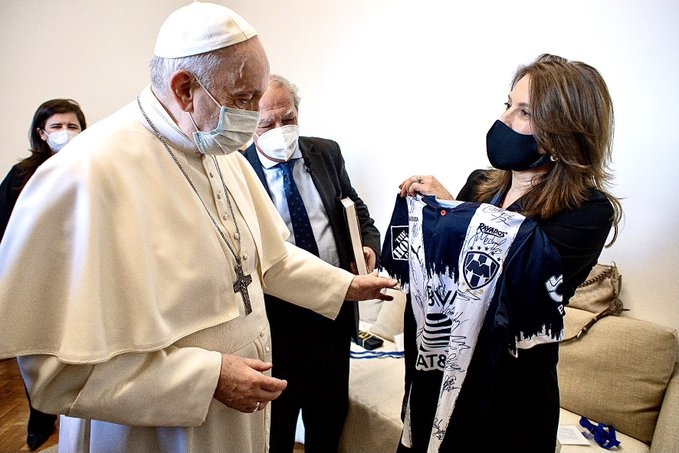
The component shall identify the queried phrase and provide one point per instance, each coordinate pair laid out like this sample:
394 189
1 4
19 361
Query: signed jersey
466 266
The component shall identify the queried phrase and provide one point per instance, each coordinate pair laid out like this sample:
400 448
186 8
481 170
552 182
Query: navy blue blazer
323 160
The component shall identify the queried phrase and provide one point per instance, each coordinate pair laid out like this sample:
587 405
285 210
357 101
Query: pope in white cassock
134 265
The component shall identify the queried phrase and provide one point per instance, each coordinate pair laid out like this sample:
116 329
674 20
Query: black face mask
509 150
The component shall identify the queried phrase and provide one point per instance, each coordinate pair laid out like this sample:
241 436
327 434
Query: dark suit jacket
323 159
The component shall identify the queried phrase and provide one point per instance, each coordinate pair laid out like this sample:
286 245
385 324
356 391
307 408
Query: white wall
406 87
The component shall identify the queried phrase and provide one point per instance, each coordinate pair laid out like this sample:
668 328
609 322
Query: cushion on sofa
617 372
389 320
369 309
376 389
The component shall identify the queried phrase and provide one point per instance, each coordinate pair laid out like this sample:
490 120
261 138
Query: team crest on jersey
399 243
479 269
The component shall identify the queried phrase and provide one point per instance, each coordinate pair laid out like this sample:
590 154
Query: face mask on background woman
57 140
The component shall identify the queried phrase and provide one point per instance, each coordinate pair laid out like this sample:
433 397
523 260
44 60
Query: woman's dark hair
572 118
40 150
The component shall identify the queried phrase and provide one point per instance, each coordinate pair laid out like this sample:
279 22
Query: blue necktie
304 235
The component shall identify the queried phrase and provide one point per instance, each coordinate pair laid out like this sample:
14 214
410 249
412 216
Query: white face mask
279 144
234 129
57 140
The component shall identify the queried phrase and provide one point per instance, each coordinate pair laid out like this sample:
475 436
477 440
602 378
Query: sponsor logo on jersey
399 243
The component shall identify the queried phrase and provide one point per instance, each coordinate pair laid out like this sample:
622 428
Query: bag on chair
599 294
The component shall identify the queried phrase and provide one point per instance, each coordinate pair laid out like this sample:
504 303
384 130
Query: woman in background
54 124
550 150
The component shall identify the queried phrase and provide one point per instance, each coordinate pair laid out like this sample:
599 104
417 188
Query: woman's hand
425 185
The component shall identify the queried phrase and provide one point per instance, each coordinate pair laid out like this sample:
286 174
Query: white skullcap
200 27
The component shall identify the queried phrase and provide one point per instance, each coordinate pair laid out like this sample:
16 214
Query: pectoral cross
241 286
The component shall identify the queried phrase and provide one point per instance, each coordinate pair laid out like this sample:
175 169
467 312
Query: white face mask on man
234 129
279 144
57 140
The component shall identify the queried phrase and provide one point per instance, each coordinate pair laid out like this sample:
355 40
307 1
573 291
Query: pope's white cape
110 251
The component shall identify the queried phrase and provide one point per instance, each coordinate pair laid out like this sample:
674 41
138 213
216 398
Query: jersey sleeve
395 248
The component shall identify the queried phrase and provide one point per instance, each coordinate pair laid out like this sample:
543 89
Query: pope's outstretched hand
370 286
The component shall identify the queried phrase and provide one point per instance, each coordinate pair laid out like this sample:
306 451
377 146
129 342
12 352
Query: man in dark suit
309 351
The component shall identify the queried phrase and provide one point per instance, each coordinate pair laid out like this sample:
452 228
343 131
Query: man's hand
243 385
369 286
370 258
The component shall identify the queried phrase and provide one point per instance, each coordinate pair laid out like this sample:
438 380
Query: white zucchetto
199 28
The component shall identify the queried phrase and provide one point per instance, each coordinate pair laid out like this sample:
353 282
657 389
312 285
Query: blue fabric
604 435
304 235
